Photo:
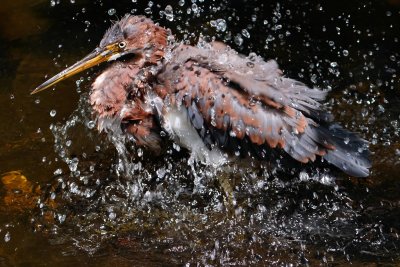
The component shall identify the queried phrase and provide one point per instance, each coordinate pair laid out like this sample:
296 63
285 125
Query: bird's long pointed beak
94 58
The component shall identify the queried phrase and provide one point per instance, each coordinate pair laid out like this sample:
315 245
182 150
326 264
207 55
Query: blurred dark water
79 206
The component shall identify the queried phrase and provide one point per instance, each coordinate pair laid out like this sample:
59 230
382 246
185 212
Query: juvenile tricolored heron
210 99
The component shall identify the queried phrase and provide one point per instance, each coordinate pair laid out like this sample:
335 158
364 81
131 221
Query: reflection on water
78 199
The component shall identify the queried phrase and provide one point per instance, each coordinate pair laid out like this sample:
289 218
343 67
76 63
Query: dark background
351 47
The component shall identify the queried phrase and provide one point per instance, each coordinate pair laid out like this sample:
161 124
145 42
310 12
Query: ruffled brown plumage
233 103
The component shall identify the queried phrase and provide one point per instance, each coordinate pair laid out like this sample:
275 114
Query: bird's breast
178 126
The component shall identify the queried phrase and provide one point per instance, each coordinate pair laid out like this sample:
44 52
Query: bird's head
136 36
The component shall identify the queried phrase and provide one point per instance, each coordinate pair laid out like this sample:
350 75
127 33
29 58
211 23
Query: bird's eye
122 45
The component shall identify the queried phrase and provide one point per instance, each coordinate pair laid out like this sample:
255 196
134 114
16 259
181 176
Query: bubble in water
53 113
345 53
169 13
111 11
181 2
334 64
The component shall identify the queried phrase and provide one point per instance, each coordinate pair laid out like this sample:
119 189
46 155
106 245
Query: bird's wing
252 108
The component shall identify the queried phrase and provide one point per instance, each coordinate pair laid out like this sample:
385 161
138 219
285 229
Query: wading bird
210 100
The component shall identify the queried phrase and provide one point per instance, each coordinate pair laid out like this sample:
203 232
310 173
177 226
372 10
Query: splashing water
119 198
113 195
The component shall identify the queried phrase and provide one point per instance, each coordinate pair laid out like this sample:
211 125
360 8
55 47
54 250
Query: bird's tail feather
351 153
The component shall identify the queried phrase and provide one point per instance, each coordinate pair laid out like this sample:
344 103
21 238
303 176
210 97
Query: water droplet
58 172
53 113
195 8
169 13
176 147
250 64
334 64
245 33
181 2
345 53
111 11
219 24
68 143
61 217
139 152
7 237
238 40
90 124
73 164
161 173
381 109
112 215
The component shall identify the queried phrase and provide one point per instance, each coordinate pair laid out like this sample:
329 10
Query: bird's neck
156 46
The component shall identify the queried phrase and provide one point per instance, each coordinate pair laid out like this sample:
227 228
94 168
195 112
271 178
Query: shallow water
76 199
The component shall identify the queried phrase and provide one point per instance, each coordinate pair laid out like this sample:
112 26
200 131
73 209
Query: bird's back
243 105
